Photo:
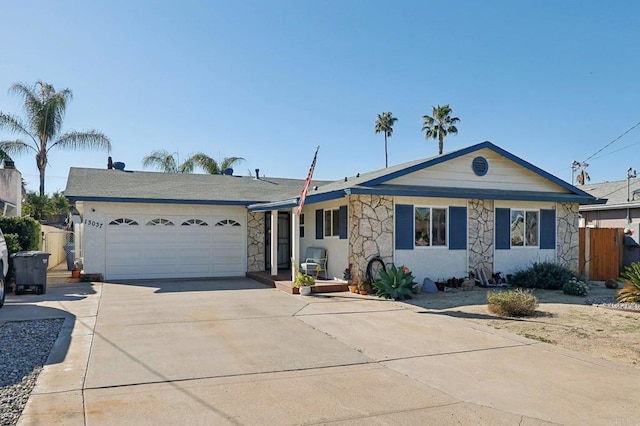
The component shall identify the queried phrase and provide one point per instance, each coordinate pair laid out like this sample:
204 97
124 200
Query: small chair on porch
315 261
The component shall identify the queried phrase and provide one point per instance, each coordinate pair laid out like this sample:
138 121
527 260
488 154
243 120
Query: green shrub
575 287
512 303
27 229
13 243
21 233
394 283
631 292
545 275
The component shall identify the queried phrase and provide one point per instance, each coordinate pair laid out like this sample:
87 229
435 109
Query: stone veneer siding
567 245
481 231
370 230
255 242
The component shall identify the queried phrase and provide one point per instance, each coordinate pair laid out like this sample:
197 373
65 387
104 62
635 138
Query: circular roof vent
480 166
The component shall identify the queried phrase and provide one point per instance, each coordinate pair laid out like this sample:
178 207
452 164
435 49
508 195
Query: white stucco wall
433 262
509 261
337 249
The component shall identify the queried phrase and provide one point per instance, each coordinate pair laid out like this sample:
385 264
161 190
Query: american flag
307 182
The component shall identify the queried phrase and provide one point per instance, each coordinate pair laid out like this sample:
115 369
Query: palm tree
165 161
210 165
45 109
4 157
384 124
440 125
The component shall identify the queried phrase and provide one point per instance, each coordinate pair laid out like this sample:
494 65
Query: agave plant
631 292
394 283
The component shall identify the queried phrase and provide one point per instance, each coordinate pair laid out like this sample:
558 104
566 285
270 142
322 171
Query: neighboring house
476 207
10 190
622 207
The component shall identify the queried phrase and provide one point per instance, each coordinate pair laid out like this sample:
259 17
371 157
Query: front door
284 240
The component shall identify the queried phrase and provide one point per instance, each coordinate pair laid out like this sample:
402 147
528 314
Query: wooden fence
601 253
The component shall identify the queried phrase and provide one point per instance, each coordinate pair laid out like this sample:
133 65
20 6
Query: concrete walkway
234 352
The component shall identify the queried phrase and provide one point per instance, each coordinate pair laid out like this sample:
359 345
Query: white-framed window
525 228
228 222
123 221
195 222
332 223
430 226
160 222
301 225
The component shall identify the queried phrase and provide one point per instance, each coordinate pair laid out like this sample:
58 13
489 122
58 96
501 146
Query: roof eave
74 198
471 193
468 150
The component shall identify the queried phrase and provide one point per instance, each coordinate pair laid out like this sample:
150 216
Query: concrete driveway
235 352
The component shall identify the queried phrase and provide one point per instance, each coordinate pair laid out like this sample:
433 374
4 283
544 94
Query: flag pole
307 182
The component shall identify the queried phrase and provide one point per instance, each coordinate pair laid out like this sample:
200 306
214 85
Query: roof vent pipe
109 163
257 173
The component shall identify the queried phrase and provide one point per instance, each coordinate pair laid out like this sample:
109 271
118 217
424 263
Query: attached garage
149 225
174 247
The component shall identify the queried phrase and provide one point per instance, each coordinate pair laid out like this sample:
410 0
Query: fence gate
601 253
54 242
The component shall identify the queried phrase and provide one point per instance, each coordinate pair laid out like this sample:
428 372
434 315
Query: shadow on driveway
175 285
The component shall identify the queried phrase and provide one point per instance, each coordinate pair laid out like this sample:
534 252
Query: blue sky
549 81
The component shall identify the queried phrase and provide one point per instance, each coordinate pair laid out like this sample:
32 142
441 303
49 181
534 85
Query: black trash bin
30 271
69 250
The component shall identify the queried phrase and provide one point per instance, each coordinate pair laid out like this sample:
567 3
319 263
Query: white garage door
170 247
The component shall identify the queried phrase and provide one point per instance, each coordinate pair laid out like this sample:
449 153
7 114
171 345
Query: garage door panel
157 251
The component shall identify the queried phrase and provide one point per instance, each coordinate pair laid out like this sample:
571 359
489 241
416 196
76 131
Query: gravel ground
24 348
610 302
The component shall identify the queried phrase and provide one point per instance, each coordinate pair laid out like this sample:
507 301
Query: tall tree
384 124
45 109
167 162
210 165
439 125
4 157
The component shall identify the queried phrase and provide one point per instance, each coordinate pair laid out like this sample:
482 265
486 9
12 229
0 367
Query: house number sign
93 223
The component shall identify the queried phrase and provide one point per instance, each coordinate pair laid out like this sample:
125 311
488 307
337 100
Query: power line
617 150
607 145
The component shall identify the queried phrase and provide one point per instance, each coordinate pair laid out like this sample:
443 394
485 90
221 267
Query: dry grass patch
560 319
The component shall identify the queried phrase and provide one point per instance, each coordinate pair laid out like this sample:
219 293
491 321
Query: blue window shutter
404 227
547 229
457 228
319 224
503 229
342 222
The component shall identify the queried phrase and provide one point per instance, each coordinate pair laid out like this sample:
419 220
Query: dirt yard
566 321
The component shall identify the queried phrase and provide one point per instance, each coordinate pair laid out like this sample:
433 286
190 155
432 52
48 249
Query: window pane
336 223
517 228
327 223
423 226
439 227
301 218
532 229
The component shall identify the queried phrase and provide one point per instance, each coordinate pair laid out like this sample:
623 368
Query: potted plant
346 274
353 282
304 283
363 287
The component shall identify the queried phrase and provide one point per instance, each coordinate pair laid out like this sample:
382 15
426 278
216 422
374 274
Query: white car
4 266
